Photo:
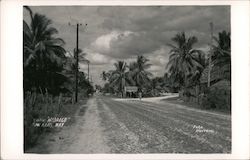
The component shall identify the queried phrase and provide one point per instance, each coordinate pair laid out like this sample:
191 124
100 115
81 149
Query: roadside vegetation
48 76
186 73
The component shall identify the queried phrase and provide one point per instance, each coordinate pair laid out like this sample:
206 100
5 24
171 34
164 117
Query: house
219 95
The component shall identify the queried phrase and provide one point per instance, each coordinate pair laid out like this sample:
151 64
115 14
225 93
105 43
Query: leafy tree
106 76
107 88
70 68
156 86
169 84
85 85
98 87
43 54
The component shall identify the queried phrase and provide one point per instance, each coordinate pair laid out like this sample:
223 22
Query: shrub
38 106
218 96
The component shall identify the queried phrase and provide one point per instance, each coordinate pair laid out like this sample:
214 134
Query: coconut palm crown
183 58
43 54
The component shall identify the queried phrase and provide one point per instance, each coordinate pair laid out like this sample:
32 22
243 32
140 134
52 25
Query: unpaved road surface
110 126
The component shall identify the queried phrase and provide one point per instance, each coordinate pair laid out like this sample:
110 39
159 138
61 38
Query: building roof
223 84
217 73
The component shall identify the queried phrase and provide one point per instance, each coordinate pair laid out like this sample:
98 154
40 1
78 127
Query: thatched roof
216 74
223 84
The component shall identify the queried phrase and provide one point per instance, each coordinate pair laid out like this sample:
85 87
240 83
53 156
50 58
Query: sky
123 32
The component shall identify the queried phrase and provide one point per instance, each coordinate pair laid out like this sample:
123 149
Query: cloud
159 59
133 44
97 58
123 32
103 42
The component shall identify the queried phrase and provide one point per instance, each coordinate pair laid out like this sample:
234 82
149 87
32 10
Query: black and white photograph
116 80
127 79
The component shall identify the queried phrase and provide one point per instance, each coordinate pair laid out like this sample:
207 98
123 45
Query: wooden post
59 104
77 60
210 56
76 82
88 70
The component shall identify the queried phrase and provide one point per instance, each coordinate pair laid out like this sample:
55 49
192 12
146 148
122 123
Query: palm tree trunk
41 91
123 84
59 102
197 93
183 89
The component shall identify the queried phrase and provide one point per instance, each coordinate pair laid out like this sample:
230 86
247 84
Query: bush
218 96
38 106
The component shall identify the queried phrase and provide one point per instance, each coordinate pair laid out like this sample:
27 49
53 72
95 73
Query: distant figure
140 95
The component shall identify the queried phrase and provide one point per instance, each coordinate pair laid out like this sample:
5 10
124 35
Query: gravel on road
110 126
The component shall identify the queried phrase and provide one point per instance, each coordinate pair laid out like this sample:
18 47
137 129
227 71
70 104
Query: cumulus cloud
103 42
159 59
123 32
97 58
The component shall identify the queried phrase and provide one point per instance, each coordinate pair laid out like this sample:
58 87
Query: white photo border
12 79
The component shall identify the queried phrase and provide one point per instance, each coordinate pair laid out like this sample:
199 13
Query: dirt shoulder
75 137
178 101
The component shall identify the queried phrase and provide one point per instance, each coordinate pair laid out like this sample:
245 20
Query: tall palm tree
118 78
141 75
43 54
223 45
194 78
39 42
183 58
130 74
222 53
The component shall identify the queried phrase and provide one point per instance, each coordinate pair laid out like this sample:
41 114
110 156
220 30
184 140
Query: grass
177 100
39 107
69 110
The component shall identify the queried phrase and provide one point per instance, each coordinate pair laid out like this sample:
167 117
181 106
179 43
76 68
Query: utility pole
76 56
76 80
210 56
88 70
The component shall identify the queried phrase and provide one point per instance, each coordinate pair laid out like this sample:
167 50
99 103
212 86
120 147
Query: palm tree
43 54
222 53
194 78
223 45
69 70
84 84
169 84
183 58
39 42
141 75
105 75
130 74
156 86
118 78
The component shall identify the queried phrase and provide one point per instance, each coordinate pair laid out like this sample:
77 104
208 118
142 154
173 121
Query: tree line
48 76
186 69
46 68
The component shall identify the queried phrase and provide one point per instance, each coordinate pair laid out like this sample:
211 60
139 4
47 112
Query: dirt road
110 126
